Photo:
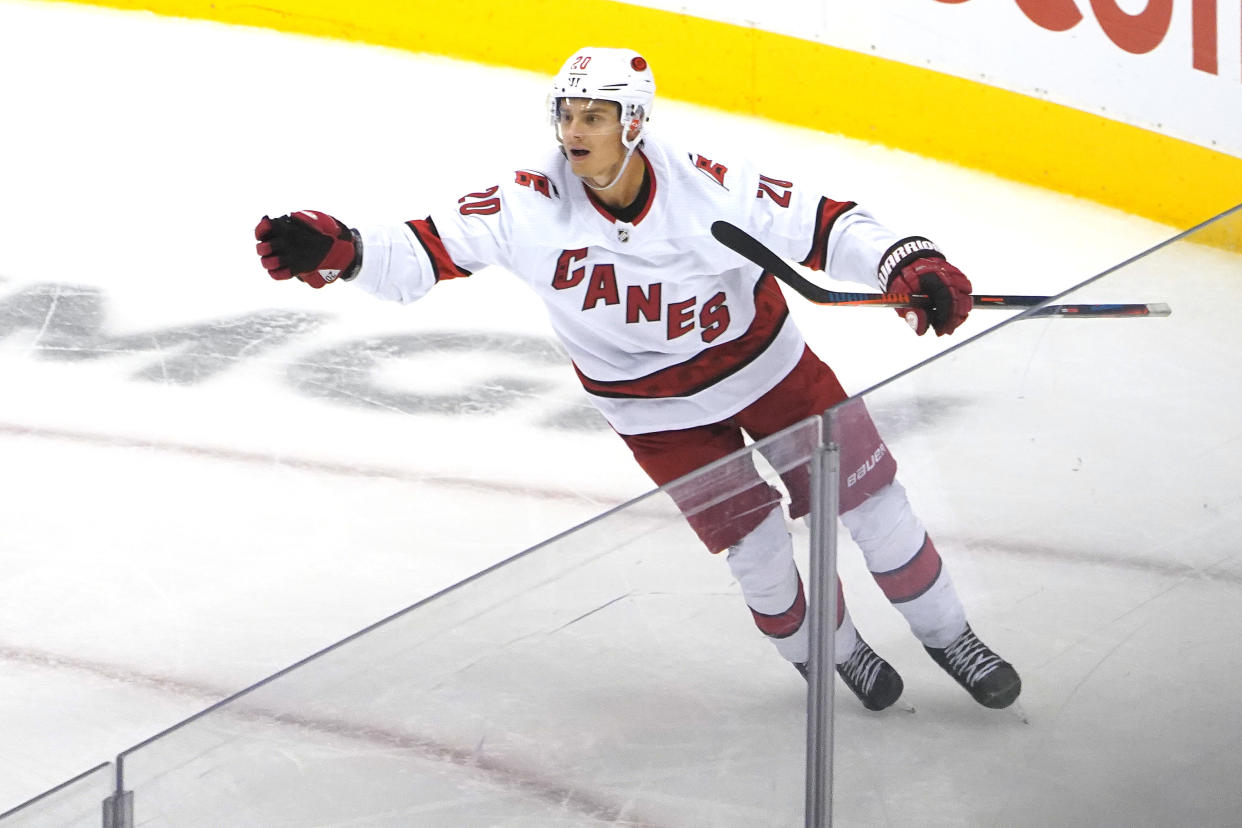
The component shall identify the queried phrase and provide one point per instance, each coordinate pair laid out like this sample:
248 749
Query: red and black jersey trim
825 216
711 365
442 264
640 212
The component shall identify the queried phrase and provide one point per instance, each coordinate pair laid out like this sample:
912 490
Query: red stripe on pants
789 621
914 577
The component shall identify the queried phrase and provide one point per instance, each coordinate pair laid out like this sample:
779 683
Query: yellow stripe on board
793 81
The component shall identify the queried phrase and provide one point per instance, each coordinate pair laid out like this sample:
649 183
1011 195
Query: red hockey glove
312 246
914 265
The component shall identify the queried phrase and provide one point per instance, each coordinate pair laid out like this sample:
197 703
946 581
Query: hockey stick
741 242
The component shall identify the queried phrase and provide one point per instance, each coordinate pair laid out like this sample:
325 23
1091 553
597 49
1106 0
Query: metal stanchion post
822 609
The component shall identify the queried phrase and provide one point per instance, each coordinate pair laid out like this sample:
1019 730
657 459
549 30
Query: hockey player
683 345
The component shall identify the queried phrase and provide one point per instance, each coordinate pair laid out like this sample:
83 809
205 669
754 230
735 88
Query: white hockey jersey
667 328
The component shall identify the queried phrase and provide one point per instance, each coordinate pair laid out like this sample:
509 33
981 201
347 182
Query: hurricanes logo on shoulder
537 181
707 165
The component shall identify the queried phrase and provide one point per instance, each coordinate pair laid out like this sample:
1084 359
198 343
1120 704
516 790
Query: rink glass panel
612 674
77 803
1082 481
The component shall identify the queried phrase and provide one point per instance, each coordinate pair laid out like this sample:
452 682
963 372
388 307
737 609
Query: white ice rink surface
181 520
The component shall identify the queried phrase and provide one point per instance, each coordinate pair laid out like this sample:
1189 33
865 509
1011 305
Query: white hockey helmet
618 75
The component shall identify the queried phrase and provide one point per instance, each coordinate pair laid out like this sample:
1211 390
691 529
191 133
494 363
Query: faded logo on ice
68 323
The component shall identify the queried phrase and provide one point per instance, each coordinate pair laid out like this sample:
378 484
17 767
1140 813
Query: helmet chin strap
629 153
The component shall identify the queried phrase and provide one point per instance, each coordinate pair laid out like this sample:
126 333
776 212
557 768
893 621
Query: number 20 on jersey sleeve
484 203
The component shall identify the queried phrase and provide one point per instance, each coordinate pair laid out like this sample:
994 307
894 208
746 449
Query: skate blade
1017 710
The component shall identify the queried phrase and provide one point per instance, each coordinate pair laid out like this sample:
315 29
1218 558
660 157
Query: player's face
590 132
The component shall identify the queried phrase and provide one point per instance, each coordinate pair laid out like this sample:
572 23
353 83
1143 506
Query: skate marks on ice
309 465
522 789
1103 649
1226 569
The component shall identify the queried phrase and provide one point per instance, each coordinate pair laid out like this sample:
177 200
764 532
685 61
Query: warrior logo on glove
914 265
314 247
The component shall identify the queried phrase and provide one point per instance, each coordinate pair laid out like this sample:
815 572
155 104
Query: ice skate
870 677
988 678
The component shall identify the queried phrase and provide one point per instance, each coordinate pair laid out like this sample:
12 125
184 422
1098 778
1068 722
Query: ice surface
207 475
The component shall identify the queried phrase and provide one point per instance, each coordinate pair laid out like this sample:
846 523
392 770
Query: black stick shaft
743 243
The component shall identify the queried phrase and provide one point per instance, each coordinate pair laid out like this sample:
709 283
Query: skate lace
970 658
862 667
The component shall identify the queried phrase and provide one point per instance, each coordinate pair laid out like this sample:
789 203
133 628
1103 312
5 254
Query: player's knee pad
885 528
763 564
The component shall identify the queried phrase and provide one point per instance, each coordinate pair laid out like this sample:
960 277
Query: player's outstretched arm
914 265
314 247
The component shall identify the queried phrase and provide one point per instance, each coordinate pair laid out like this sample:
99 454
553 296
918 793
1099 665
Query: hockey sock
906 565
762 562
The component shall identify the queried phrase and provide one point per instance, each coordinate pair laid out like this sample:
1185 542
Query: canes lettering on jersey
711 318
